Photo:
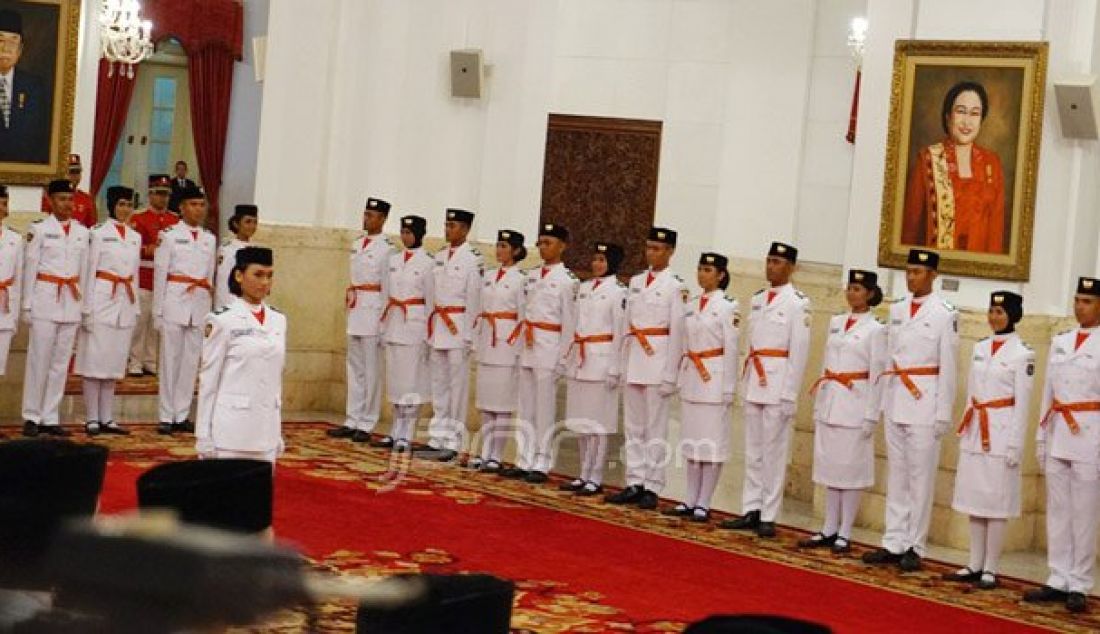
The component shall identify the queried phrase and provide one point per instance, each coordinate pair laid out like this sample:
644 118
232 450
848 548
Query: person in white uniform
592 370
545 336
1067 446
11 280
365 299
654 321
56 251
457 287
918 392
183 277
242 224
987 480
497 352
846 410
779 345
241 380
708 382
110 311
405 334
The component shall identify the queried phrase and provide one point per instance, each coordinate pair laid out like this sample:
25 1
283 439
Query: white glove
667 389
158 323
941 428
614 381
1041 455
26 316
788 408
281 448
469 346
1012 456
205 448
727 399
869 427
86 322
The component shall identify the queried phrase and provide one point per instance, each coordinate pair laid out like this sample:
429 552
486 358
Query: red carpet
583 568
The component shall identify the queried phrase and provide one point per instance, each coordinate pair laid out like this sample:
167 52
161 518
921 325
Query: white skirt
843 457
705 431
985 486
102 353
591 408
497 388
5 346
407 379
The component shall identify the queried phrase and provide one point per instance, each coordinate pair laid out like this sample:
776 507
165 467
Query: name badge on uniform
54 236
895 322
635 290
690 313
439 263
756 307
240 332
979 357
110 239
393 269
1059 350
182 241
833 331
582 296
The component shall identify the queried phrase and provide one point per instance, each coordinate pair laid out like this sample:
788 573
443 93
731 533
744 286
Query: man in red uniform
84 210
149 223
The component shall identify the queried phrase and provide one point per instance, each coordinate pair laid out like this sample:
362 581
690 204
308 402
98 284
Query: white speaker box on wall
467 73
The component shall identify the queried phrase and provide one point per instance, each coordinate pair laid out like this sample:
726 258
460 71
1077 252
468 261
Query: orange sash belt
581 341
697 359
5 306
117 280
528 328
351 295
62 282
445 313
983 416
906 375
643 334
844 378
403 304
1067 409
492 319
191 282
758 365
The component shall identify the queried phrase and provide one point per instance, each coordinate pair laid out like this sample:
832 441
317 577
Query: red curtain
112 102
210 72
197 24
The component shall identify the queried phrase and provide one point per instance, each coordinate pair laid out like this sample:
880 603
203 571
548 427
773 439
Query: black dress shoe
360 436
113 428
680 510
988 581
910 561
766 529
164 429
490 466
54 430
747 522
536 477
186 427
963 575
1076 602
91 428
880 556
30 429
842 545
648 500
629 495
439 455
818 540
384 442
589 489
1044 594
340 432
515 473
573 486
700 515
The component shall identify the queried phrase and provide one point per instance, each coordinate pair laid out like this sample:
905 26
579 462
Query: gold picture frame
962 155
37 147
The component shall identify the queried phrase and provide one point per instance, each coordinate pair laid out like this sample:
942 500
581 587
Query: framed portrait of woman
962 155
38 47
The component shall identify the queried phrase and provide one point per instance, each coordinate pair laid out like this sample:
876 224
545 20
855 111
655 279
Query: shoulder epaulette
620 283
678 278
227 241
99 224
894 300
572 275
275 309
167 229
37 221
1027 345
760 291
1064 332
522 272
800 294
474 250
949 306
982 339
218 311
880 320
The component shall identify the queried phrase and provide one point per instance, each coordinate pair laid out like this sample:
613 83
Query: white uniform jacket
110 280
11 277
1005 376
241 379
457 295
368 292
410 298
601 306
658 306
782 326
502 304
52 254
550 300
930 339
1073 376
227 259
717 327
183 253
846 401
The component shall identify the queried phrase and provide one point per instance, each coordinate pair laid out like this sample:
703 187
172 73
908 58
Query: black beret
246 210
191 192
662 234
460 215
117 193
377 204
924 257
866 279
416 224
554 230
1088 286
513 238
233 494
3 191
783 250
714 259
614 254
1012 303
60 186
254 255
11 22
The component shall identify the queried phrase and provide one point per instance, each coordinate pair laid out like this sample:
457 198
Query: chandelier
124 36
857 38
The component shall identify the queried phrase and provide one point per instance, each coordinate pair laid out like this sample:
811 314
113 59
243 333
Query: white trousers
496 428
450 396
143 346
767 452
913 456
364 376
5 347
48 354
645 427
1073 500
537 418
180 349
